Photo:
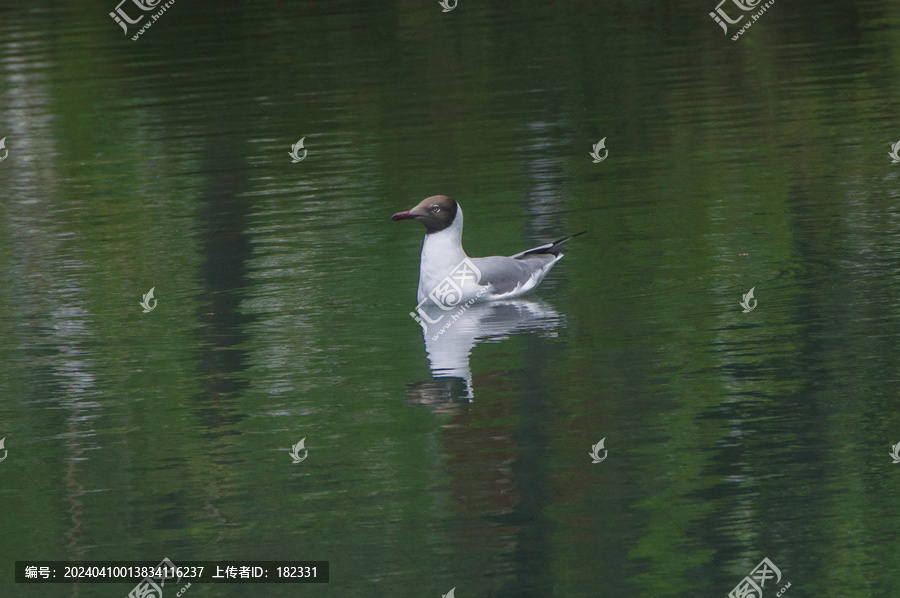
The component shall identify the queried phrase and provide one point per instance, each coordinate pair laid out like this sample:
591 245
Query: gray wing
522 271
506 274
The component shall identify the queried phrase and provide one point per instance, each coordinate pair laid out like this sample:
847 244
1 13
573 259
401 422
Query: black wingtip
548 248
564 239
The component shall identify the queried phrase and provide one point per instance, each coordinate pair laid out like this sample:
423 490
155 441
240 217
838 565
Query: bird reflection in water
449 351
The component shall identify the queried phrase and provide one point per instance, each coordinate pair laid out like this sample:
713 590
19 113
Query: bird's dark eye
435 209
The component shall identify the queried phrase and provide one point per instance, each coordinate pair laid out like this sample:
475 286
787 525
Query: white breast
442 252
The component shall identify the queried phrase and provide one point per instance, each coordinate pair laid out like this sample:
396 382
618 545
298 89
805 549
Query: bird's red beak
403 216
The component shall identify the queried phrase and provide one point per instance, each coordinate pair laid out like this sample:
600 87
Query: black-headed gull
449 277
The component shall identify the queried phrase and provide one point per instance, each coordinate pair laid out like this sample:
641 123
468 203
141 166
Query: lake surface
284 296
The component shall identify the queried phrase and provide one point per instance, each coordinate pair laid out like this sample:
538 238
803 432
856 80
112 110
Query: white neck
441 253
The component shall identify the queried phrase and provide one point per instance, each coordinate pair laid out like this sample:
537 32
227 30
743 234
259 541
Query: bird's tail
549 248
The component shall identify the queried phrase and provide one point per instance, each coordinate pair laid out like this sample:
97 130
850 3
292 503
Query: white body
504 277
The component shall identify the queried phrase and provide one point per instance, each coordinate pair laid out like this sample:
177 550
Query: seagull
447 275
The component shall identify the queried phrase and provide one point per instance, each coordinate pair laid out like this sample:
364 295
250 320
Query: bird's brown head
435 213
